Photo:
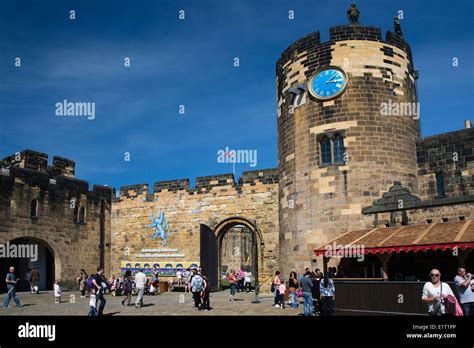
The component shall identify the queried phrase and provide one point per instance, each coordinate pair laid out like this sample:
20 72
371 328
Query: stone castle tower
365 151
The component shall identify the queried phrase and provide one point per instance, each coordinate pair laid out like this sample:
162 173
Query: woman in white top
247 280
179 276
435 292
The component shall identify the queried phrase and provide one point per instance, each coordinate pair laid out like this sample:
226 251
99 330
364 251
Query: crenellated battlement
30 169
313 53
204 184
172 185
38 161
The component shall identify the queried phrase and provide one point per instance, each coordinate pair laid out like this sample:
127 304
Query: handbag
452 306
299 293
459 312
449 303
272 289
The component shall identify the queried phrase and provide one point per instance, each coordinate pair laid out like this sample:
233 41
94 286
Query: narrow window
34 208
440 184
338 149
82 214
326 151
76 213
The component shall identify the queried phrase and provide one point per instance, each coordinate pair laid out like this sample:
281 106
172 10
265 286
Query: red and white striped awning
425 237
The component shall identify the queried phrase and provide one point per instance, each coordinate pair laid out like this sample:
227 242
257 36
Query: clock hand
333 76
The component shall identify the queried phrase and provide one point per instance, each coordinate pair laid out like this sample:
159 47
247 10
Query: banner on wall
164 268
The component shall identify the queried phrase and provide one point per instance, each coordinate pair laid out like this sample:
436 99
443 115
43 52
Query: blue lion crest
160 226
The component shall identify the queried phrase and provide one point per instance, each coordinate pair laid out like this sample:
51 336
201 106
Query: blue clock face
328 83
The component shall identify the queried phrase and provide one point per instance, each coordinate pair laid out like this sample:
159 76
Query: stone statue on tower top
397 26
353 14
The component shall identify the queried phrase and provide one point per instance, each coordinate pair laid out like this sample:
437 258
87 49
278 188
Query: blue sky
190 62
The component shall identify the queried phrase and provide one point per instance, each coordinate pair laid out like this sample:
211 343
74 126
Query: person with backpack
97 280
127 287
197 286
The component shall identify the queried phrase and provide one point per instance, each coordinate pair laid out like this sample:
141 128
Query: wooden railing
402 297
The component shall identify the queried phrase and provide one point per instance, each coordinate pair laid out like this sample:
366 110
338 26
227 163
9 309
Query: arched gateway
40 255
211 248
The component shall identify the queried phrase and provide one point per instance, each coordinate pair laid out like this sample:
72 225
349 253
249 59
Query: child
57 292
93 304
282 291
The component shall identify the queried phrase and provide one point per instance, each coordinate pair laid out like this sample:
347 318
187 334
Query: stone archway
220 231
47 262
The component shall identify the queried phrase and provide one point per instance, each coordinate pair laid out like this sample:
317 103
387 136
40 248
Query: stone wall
213 199
75 244
451 154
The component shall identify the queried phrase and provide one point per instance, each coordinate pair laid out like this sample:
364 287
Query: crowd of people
125 285
318 293
240 281
139 284
315 289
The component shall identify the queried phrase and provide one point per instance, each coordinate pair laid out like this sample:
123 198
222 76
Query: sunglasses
434 275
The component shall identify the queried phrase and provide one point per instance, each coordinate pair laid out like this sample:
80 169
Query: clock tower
338 147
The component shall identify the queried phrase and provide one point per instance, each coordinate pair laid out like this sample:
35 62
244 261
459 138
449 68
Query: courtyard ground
173 303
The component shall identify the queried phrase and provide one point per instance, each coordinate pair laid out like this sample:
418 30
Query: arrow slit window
440 185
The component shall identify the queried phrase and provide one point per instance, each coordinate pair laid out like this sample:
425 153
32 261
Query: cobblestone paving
175 303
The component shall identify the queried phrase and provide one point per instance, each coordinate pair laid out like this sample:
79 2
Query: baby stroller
118 291
153 288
